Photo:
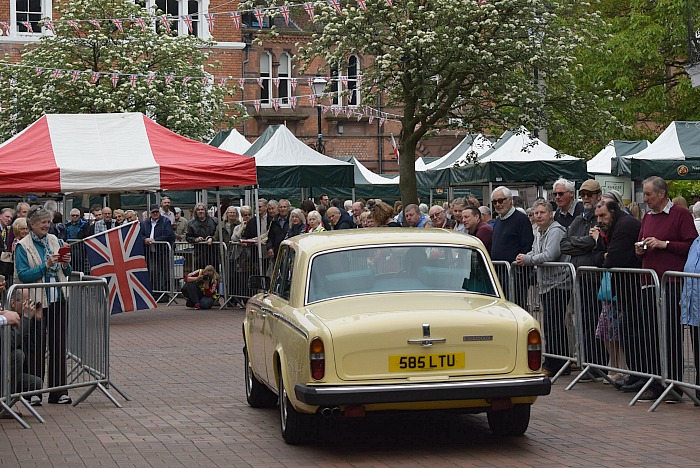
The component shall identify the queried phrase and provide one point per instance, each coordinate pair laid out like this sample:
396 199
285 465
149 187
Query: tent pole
223 263
431 197
490 203
353 194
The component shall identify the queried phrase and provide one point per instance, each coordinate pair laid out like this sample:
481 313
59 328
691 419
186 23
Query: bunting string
208 18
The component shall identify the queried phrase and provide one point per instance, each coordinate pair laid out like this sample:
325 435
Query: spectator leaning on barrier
579 244
251 229
200 232
158 229
279 226
512 235
567 206
37 261
554 284
615 234
664 241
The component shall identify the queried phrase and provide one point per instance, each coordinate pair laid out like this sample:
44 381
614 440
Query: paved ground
183 369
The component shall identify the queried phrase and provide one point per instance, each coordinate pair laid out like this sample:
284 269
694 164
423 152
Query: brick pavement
184 370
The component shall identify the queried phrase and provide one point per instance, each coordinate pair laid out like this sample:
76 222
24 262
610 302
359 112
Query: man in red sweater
664 241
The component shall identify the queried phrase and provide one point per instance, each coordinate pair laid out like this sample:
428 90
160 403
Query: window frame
266 89
338 88
46 12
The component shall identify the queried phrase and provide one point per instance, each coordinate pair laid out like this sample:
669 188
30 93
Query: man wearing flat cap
579 244
158 229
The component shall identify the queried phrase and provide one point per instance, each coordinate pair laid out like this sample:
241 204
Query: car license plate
425 362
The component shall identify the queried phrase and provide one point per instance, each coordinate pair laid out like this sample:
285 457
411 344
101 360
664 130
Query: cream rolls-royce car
388 319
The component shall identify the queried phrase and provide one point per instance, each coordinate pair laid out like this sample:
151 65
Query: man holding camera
201 288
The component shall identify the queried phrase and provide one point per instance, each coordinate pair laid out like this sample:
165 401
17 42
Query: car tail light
317 358
534 350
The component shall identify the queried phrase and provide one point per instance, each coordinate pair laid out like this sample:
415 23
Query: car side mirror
259 282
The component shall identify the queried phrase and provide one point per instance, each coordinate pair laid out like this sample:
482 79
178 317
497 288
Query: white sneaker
35 400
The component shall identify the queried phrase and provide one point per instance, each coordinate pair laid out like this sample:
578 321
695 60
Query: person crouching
201 287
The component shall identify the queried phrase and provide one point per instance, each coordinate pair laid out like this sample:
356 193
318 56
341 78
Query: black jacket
620 245
578 243
277 233
345 221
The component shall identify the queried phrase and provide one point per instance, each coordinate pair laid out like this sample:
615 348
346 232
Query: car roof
312 243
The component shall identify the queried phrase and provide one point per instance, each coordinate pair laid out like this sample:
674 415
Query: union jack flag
5 28
115 79
27 25
169 79
150 78
294 82
95 23
39 70
362 4
49 25
119 24
236 18
276 82
260 15
140 22
293 101
223 81
188 21
336 4
309 7
256 104
210 20
285 12
74 25
241 82
117 256
132 80
56 73
76 75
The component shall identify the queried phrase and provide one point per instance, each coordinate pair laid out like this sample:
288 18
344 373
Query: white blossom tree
187 106
484 65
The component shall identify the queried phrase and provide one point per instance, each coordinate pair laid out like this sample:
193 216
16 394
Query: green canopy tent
517 158
674 155
283 161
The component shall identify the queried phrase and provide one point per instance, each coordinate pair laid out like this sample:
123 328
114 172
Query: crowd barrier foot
173 298
639 394
31 409
564 368
5 409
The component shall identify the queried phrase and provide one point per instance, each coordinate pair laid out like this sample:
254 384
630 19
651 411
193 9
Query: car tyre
256 393
294 425
510 422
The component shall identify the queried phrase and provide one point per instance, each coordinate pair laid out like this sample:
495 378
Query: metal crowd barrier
242 262
60 344
160 261
680 331
79 261
622 312
502 274
546 290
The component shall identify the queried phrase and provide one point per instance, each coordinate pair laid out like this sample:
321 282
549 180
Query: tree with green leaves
481 65
188 106
643 59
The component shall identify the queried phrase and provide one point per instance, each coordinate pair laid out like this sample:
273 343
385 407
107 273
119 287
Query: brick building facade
270 57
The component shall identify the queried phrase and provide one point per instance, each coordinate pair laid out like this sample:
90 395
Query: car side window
282 279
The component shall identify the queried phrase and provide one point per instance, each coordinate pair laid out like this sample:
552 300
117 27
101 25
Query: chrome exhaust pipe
330 412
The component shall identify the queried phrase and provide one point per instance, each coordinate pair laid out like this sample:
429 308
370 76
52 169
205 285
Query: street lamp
318 85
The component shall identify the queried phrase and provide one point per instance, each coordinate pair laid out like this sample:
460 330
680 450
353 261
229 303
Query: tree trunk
407 170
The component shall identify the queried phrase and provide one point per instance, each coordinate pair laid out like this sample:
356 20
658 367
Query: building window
284 73
31 11
344 83
178 9
266 77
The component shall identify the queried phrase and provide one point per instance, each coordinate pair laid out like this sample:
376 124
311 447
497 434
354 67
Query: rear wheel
295 426
257 394
510 422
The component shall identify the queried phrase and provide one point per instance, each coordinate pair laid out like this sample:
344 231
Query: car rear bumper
318 395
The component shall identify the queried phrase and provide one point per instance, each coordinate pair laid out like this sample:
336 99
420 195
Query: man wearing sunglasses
567 207
512 235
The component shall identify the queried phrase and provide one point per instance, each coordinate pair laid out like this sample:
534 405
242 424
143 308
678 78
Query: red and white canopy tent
108 153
